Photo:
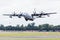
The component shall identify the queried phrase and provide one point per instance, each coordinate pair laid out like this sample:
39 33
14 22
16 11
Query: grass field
29 33
29 39
6 35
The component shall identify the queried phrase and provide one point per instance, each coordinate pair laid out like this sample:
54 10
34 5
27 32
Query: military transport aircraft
27 16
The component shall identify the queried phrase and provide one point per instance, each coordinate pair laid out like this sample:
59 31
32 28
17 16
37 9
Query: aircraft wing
10 15
51 13
6 14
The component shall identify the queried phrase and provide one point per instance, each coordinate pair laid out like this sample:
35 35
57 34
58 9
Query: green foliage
43 27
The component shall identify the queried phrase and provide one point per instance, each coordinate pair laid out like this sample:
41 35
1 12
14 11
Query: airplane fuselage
27 17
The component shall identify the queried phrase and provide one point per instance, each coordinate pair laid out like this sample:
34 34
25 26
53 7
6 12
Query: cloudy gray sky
9 6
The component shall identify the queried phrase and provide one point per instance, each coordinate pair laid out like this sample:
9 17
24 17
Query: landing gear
26 19
31 19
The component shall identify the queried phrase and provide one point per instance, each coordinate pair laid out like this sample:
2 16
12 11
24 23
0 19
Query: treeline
31 27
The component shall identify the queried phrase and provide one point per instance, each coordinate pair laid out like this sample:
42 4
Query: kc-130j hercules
27 16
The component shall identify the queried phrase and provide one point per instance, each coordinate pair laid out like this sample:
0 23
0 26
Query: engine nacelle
19 16
48 15
10 16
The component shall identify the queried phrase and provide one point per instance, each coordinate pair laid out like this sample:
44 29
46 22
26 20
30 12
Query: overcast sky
9 6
